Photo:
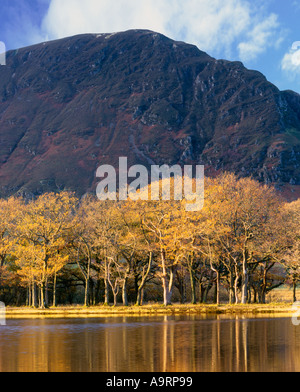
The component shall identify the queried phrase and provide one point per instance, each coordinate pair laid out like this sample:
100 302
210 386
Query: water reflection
159 344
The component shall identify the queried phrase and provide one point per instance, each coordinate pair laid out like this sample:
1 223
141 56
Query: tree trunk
34 302
140 288
54 291
106 284
231 288
46 294
91 292
245 277
45 302
142 296
202 291
193 286
115 298
139 297
218 287
86 274
114 287
87 281
254 295
236 282
217 284
167 293
86 291
124 292
42 298
245 287
294 290
28 301
166 282
264 287
181 287
136 286
206 292
249 295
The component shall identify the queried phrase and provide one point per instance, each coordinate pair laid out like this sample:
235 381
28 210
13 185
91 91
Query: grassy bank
150 310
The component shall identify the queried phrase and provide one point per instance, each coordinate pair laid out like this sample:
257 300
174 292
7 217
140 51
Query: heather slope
70 105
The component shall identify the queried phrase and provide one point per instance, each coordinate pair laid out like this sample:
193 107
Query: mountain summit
71 105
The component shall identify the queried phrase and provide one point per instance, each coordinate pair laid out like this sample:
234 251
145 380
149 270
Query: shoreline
151 310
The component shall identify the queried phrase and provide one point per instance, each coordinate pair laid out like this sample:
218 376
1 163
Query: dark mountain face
69 106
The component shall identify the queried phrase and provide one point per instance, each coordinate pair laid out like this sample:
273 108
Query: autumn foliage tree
9 210
40 244
291 257
244 242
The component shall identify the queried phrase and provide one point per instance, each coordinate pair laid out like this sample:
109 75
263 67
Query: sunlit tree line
57 249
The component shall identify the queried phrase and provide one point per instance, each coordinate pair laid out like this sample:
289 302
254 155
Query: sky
263 34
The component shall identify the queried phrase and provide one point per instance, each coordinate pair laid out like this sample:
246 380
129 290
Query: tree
134 246
161 221
9 210
238 213
292 263
40 238
291 258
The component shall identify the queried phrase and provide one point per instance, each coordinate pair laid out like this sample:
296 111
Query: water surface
150 344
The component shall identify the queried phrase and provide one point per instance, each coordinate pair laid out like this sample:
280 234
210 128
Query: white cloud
70 17
215 26
291 62
261 37
211 25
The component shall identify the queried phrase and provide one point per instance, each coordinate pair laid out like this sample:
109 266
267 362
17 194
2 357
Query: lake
150 344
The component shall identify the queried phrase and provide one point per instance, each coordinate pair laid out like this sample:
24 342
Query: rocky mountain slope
70 105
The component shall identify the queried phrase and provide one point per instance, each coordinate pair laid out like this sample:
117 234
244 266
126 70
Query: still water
157 344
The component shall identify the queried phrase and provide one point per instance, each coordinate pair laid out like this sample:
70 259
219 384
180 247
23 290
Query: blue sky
259 33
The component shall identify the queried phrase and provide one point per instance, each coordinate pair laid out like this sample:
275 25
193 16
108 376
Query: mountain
71 105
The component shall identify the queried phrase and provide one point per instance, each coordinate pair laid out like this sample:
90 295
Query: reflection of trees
158 344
